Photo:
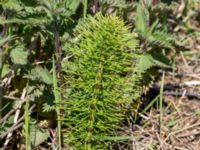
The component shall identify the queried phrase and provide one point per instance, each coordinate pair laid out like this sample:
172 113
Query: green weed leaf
38 135
150 60
19 55
41 74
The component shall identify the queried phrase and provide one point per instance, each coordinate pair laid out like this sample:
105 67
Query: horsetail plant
100 81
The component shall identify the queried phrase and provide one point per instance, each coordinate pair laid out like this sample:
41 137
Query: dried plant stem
85 8
13 128
18 124
161 101
16 115
12 110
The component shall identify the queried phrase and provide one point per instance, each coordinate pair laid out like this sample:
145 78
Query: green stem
93 107
57 78
85 8
27 128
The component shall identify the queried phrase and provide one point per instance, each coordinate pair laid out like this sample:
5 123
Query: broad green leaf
145 62
19 55
11 4
37 135
152 59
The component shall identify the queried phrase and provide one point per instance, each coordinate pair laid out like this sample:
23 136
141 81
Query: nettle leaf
36 91
19 55
44 75
146 62
11 4
48 107
155 33
151 60
41 74
162 38
38 135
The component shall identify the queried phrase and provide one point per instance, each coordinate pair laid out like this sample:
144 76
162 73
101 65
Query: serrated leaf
12 4
152 59
44 75
162 38
41 74
47 107
38 135
19 55
145 62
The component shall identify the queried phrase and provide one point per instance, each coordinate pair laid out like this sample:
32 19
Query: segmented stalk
93 106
